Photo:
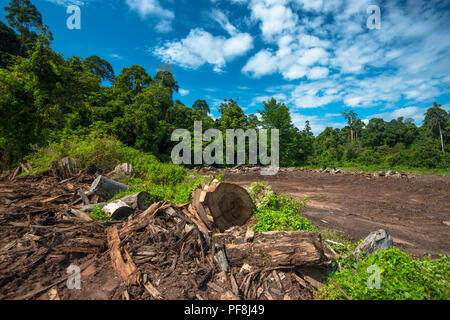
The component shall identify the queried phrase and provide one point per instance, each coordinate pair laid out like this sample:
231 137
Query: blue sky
319 57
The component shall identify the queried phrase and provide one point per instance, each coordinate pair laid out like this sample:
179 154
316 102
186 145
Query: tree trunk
66 165
222 205
442 138
106 188
274 249
118 209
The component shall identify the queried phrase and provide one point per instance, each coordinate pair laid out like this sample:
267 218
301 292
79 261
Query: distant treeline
45 96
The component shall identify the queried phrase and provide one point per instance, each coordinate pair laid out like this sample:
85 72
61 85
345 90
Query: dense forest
45 96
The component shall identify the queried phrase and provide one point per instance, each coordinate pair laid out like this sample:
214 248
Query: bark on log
118 209
107 188
274 249
138 201
223 205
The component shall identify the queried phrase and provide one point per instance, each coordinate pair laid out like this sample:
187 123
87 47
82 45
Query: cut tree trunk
118 209
274 249
223 205
138 201
106 188
66 168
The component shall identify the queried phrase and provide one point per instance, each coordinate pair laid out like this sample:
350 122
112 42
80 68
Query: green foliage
402 277
282 213
99 215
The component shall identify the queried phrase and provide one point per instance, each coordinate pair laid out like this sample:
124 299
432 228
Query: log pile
200 250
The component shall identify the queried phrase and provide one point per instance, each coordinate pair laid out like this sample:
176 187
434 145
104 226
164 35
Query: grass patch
401 278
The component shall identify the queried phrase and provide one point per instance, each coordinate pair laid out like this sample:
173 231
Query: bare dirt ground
414 210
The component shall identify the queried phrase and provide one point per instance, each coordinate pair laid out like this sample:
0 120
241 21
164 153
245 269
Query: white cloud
201 47
154 9
415 113
183 92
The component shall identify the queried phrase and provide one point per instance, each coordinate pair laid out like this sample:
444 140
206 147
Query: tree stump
223 205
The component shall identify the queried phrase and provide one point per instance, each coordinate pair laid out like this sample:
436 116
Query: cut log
138 201
106 188
223 205
274 249
118 209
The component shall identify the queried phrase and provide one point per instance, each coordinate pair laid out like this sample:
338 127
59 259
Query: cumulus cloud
201 47
327 46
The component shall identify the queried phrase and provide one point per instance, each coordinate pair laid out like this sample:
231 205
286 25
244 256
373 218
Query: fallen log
106 188
223 205
138 201
274 249
118 209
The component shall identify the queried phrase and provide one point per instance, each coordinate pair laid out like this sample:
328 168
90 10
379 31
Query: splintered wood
123 264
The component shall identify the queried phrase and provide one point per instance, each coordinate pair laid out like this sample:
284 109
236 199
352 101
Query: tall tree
352 118
102 69
133 79
25 18
201 105
437 119
165 78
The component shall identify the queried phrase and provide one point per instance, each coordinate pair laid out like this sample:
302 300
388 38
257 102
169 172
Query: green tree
133 79
25 18
437 119
352 118
9 45
201 105
102 69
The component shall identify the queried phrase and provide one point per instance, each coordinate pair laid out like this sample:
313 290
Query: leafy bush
163 181
99 215
282 213
402 278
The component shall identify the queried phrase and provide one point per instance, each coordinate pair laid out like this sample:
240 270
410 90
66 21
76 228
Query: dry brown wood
37 291
83 216
143 220
123 265
152 290
274 249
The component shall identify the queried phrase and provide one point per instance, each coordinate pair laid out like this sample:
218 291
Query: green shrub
99 215
282 213
401 278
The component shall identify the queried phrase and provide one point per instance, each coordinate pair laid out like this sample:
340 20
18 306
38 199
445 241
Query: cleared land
414 209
